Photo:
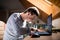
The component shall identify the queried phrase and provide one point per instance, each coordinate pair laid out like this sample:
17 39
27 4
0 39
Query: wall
56 23
44 7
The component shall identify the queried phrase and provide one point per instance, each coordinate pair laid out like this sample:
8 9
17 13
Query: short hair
32 11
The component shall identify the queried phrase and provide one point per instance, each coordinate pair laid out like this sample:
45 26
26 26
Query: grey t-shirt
14 30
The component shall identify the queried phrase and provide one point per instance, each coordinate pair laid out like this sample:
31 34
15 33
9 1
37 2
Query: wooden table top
54 36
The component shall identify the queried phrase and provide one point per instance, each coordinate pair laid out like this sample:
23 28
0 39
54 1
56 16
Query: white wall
56 23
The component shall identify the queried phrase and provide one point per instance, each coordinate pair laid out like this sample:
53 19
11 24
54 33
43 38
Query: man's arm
11 31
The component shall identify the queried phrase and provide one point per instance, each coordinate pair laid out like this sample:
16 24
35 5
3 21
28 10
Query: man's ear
29 13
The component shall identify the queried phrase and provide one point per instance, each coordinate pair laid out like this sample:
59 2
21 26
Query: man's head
32 10
31 13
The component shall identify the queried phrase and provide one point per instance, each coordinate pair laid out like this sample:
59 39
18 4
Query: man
16 24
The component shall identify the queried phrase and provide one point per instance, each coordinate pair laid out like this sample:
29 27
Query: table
54 36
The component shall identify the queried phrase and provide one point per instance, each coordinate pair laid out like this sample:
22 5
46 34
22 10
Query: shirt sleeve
11 30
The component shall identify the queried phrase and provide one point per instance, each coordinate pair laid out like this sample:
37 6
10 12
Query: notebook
44 29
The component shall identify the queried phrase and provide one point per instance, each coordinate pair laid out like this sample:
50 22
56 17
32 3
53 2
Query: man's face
30 17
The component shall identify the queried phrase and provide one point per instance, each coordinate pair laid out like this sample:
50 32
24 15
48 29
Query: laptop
44 29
